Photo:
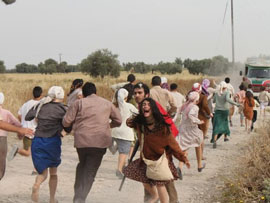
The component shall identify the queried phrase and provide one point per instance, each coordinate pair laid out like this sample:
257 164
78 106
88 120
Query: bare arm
13 128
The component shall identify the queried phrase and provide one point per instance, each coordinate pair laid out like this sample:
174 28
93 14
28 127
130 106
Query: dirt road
195 187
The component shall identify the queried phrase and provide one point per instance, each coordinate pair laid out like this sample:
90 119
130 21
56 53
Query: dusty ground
195 187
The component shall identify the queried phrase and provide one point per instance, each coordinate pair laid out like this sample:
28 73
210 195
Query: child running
248 110
264 98
27 141
240 98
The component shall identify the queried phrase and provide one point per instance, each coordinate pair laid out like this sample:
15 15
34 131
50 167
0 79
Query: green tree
2 67
21 68
101 63
178 61
219 65
169 68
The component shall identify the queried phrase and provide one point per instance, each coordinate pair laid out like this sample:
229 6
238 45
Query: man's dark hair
37 91
131 78
156 81
250 86
242 87
130 88
143 86
173 86
227 80
262 88
88 89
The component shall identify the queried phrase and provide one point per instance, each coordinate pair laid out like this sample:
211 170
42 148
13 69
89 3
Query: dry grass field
17 88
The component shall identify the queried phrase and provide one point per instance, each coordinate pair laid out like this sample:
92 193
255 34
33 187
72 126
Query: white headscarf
55 92
163 80
121 96
222 86
2 98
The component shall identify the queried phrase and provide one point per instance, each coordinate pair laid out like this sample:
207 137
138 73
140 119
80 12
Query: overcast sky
137 30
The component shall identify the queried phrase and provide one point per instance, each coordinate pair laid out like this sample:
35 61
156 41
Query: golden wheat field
17 88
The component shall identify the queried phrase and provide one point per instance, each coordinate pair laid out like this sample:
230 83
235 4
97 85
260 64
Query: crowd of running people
162 121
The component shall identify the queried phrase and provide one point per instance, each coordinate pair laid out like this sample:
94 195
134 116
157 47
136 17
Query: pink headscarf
192 97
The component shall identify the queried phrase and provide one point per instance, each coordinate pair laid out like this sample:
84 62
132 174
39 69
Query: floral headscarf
205 85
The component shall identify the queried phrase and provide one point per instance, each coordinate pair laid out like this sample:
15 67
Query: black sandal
200 169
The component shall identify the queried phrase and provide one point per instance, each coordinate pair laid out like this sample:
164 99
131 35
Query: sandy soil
15 187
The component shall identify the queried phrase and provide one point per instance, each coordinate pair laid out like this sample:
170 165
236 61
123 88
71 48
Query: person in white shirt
230 89
27 141
179 101
123 135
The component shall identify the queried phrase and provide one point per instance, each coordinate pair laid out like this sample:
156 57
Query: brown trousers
3 155
173 197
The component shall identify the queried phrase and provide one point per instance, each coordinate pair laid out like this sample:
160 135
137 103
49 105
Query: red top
168 119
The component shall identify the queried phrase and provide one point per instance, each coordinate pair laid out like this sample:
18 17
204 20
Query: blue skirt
46 152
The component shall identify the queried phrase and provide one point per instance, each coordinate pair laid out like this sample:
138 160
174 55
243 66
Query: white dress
189 133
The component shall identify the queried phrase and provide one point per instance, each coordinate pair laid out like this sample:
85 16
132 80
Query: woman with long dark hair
155 138
75 91
248 110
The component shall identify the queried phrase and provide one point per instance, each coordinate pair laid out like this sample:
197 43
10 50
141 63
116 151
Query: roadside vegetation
250 181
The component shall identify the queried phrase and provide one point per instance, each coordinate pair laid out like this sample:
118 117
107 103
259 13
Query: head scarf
2 98
164 83
205 85
163 80
55 92
124 109
222 85
197 87
191 98
121 95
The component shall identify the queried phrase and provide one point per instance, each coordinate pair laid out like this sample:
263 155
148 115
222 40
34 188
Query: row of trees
103 62
49 66
218 65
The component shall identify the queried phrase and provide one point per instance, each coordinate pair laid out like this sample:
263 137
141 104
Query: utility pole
60 58
233 59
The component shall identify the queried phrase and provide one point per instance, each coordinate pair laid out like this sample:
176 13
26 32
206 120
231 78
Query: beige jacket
163 97
90 118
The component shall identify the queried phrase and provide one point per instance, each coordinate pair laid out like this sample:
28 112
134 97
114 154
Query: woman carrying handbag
154 168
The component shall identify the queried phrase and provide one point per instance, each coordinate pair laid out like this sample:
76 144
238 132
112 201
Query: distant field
17 88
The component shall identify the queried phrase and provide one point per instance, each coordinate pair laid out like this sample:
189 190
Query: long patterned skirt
136 170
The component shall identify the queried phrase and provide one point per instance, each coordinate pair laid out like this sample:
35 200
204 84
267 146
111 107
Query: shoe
119 174
12 152
214 145
200 169
226 139
179 172
113 148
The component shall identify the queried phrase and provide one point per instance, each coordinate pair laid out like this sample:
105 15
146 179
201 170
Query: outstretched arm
13 128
